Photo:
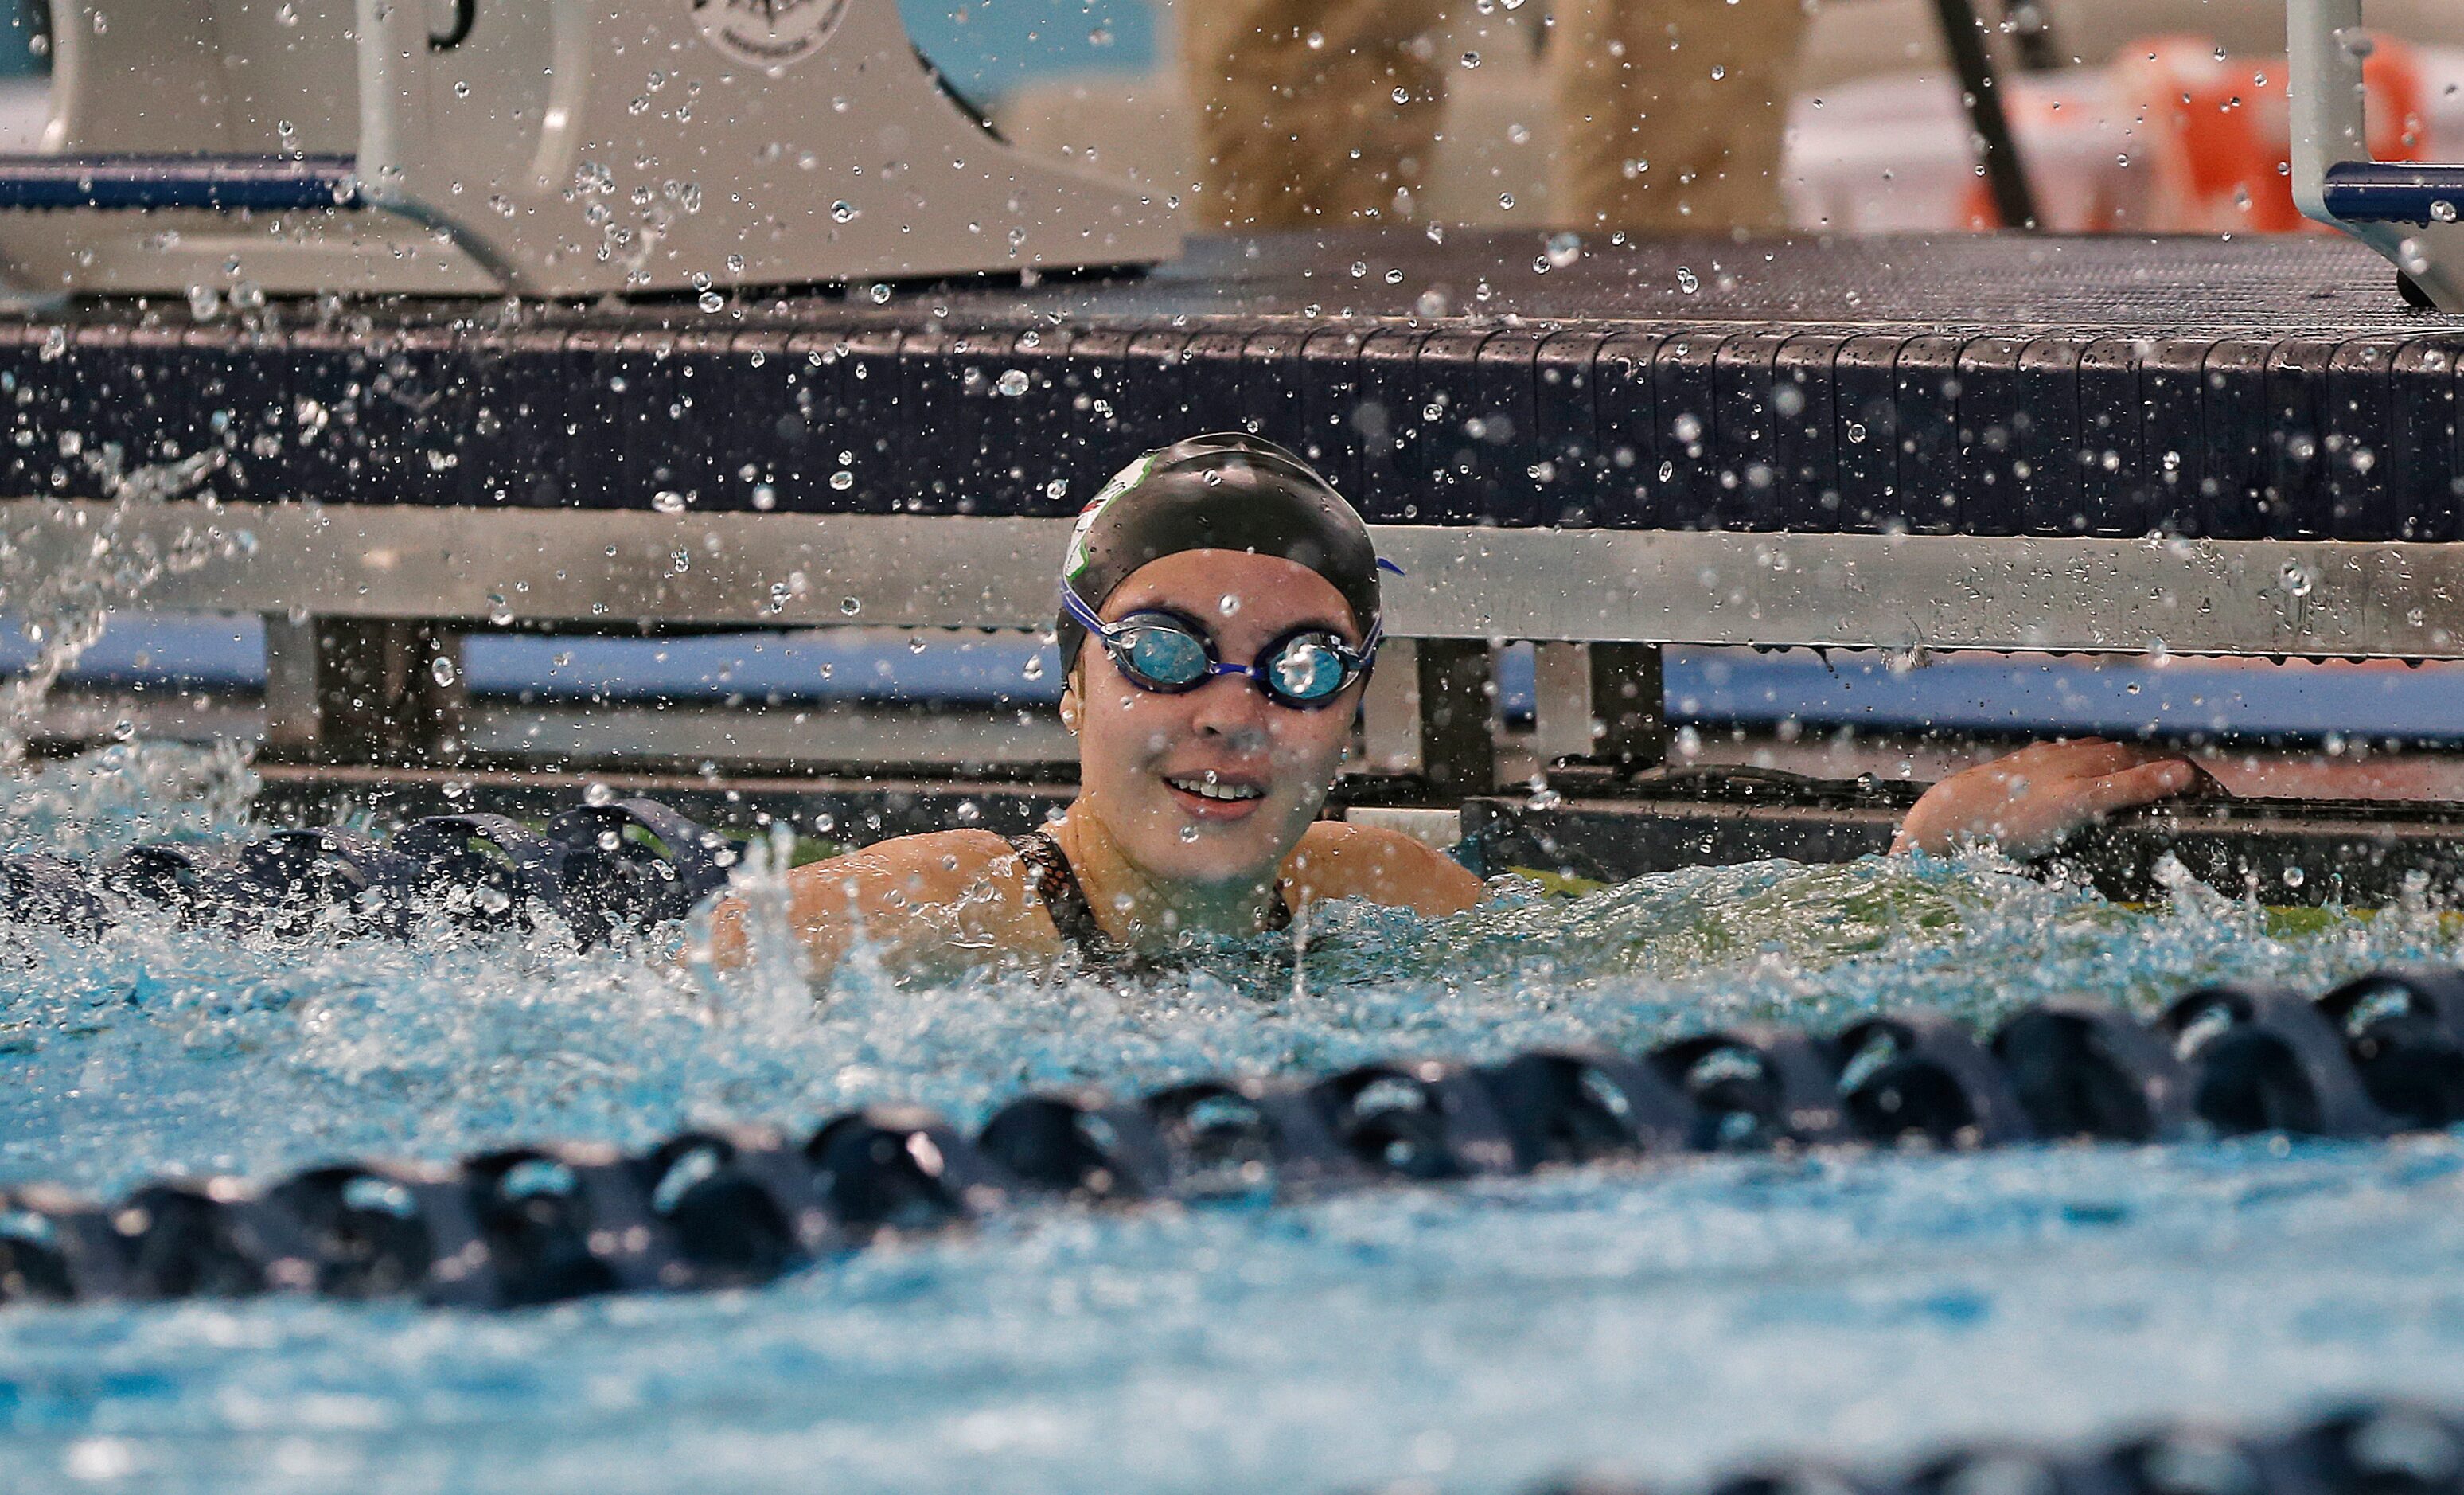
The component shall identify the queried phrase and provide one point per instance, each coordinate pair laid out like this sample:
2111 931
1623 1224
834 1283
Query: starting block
2409 211
535 148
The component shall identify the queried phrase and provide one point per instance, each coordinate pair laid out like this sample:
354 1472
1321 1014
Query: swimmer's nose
1229 707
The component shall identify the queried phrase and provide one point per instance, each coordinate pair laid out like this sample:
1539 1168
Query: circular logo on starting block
769 33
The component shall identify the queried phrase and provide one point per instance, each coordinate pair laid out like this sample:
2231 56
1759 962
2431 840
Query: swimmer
1220 617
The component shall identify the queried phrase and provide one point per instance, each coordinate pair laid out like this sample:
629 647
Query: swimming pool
1656 1322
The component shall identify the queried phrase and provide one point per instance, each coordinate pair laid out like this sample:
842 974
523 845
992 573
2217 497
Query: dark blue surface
1969 692
266 183
2387 191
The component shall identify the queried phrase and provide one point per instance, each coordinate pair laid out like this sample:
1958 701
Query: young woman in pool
1220 613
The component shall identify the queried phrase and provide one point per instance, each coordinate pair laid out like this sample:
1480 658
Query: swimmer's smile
1215 796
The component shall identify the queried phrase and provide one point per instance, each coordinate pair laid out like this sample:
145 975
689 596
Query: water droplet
667 500
440 669
764 498
1012 382
1393 277
1402 96
2294 877
843 212
713 301
1689 427
2296 578
1228 605
1563 248
1687 281
2443 211
850 606
1034 670
1432 302
1472 59
1856 432
880 293
841 480
1505 199
598 793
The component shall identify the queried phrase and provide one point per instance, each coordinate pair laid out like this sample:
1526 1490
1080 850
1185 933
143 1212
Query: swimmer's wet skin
1235 600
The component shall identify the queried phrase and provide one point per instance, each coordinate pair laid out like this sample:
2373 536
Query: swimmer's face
1146 758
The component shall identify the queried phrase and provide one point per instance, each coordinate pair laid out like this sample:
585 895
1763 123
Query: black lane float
597 868
739 1206
2357 1448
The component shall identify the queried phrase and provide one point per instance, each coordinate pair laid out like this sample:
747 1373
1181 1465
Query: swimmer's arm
2032 800
945 902
1338 861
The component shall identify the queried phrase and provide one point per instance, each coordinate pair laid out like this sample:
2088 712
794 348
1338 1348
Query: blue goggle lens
1306 668
1160 652
1165 656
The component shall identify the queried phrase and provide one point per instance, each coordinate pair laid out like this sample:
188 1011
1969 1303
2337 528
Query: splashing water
1656 1321
67 606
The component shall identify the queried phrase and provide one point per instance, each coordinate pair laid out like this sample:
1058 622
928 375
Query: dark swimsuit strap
1056 882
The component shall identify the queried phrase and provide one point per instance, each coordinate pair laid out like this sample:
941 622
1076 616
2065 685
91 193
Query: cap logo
1127 478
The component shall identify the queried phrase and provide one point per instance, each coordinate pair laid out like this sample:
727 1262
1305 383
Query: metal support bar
1563 719
1457 717
1390 711
1963 34
363 691
2394 207
1628 706
2317 599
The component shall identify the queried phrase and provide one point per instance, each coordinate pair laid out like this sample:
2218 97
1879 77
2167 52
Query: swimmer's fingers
2131 787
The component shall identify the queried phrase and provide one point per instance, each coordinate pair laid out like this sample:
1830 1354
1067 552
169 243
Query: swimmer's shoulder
1336 860
932 868
920 897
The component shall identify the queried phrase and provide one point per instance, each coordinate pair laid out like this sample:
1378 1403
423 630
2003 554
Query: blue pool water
1654 1322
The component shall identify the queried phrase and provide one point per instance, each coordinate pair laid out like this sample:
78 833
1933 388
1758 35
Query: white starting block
2407 210
536 147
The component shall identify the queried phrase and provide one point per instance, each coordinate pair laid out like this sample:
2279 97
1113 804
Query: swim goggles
1167 653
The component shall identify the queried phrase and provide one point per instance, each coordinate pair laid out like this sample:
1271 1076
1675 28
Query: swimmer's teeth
1207 790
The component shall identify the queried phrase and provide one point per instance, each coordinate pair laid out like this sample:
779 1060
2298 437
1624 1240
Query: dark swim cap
1225 490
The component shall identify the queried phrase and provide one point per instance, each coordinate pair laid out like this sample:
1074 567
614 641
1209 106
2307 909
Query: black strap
1056 882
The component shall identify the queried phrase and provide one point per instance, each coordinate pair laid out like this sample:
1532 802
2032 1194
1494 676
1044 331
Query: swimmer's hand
2032 800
